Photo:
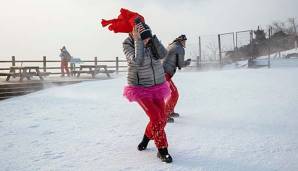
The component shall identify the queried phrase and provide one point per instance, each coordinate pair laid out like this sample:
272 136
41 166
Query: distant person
147 85
65 58
174 60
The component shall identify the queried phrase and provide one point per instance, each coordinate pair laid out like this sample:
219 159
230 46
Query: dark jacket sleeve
180 53
159 48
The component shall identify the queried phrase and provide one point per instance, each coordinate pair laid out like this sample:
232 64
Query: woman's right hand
135 33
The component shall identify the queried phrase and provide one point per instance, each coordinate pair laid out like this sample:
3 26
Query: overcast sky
30 29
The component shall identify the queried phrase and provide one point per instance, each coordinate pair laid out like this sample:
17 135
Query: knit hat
181 38
143 29
63 48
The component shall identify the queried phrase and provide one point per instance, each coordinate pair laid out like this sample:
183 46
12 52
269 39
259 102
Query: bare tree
278 26
212 48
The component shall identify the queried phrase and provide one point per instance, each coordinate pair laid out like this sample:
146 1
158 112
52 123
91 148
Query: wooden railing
44 64
53 66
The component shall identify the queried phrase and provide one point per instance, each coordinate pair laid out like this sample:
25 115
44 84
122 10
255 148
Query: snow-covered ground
239 120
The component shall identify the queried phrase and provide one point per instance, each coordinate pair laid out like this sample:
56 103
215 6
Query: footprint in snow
33 126
48 133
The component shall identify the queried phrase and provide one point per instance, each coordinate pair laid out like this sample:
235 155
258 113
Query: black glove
187 62
143 29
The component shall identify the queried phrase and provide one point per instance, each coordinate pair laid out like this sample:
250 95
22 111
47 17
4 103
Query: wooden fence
53 66
116 64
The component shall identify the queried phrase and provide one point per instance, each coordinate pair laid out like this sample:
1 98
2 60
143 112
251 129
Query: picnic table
24 72
93 70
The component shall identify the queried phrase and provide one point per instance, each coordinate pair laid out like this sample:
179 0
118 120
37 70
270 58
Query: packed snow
244 119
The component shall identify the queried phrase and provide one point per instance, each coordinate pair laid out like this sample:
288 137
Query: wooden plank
92 66
16 92
108 71
44 73
12 89
86 72
6 74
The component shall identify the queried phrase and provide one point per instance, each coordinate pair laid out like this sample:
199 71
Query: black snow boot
170 120
174 115
143 145
164 155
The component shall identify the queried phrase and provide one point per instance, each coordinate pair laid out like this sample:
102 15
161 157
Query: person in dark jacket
174 60
147 85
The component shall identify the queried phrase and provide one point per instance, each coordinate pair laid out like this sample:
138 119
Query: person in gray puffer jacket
147 85
144 65
173 60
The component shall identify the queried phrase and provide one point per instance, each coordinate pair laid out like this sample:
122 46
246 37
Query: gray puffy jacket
144 66
174 58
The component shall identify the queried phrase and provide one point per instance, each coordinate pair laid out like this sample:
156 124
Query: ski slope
230 120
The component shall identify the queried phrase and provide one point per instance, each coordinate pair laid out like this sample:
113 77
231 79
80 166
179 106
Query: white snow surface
239 120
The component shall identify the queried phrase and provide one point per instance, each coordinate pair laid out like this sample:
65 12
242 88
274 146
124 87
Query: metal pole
200 53
251 36
269 50
233 41
252 49
219 48
237 41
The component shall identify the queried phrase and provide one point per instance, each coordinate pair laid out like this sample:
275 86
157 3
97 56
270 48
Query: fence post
219 47
117 65
95 60
13 61
44 64
251 46
233 41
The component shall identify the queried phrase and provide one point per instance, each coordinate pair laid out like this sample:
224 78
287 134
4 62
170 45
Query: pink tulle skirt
134 93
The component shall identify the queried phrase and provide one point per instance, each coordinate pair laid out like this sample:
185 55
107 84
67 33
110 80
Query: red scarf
124 23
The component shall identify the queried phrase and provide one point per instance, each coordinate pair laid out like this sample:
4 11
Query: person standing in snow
65 58
174 60
147 85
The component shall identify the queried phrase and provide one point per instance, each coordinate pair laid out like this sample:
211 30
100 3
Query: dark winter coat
174 58
144 63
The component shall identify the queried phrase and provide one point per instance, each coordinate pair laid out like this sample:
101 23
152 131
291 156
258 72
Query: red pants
155 110
172 100
64 66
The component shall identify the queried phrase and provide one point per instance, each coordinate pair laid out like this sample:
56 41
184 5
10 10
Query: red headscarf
124 23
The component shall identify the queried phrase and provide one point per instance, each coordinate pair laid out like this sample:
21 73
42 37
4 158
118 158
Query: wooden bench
93 70
7 75
23 72
84 72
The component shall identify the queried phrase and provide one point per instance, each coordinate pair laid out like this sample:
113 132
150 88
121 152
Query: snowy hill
230 120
